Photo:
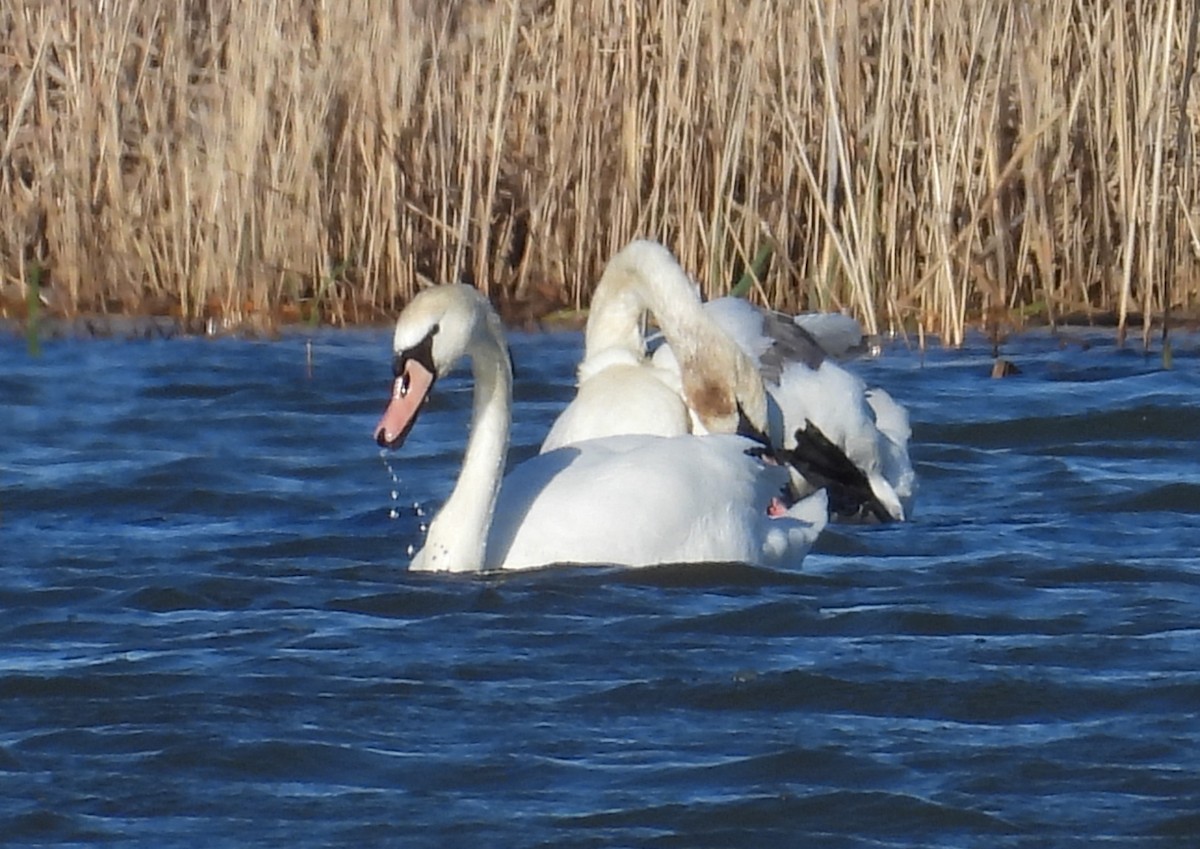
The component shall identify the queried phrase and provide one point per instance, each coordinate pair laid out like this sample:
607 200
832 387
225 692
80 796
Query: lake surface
208 636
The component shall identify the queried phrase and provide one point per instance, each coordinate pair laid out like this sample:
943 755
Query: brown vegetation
925 164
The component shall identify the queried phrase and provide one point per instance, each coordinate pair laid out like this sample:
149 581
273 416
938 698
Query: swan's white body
646 500
623 391
624 396
627 500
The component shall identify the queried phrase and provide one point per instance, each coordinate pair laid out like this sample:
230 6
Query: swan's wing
892 420
772 339
838 335
827 416
790 343
854 494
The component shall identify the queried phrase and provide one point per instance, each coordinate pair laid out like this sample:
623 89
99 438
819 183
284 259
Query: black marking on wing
824 465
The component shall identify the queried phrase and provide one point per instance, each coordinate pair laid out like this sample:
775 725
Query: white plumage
625 500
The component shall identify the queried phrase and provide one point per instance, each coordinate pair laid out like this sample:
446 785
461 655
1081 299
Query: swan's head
434 331
725 391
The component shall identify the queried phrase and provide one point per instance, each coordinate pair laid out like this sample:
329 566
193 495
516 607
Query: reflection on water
208 628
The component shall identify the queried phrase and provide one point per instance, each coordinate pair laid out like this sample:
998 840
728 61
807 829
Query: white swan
824 404
626 500
819 412
711 386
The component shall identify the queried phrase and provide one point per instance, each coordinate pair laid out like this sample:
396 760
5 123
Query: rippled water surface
209 636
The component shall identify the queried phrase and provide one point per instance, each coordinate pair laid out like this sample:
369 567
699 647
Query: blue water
208 636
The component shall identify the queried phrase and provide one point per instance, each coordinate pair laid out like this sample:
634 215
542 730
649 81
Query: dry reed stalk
925 164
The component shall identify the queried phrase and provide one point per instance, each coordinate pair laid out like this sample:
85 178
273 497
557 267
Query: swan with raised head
632 500
820 414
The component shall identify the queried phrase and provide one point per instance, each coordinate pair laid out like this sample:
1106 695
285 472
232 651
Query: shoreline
146 326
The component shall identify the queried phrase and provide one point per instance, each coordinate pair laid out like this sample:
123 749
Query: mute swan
626 500
818 412
829 415
711 387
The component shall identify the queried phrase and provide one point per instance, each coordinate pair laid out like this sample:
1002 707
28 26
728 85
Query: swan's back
622 398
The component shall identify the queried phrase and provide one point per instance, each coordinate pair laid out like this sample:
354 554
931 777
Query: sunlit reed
928 165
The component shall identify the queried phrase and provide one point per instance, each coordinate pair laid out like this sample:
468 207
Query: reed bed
927 165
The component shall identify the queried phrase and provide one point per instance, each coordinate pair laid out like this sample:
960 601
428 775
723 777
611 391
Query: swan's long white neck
716 373
643 277
457 537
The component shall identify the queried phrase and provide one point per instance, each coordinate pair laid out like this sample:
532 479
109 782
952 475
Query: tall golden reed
925 164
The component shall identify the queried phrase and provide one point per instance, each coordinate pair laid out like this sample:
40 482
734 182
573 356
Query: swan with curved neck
713 388
626 500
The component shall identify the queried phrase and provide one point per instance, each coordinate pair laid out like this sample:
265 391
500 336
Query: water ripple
209 629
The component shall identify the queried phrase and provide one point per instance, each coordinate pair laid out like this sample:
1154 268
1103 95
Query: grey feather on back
789 343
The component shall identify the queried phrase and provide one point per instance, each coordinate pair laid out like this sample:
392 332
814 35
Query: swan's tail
853 495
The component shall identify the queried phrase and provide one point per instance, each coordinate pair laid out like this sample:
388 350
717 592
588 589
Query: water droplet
393 513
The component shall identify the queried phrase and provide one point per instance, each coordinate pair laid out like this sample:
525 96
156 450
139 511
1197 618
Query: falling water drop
393 512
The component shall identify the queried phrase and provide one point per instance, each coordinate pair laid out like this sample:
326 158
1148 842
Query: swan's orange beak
409 393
